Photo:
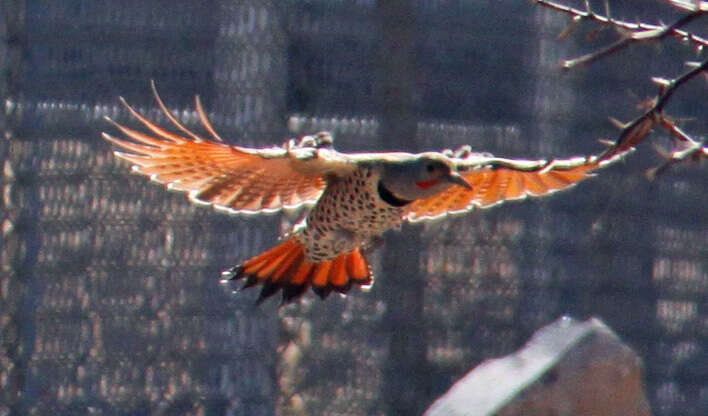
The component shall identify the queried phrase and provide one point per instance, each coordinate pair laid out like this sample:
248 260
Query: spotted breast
350 213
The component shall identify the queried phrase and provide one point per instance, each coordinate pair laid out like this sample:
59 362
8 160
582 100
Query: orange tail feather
286 267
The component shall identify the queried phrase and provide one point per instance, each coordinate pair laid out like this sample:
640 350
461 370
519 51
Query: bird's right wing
231 178
496 180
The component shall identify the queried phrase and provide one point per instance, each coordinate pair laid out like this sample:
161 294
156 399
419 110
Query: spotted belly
349 214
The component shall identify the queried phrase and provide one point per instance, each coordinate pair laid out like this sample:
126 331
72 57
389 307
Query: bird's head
425 175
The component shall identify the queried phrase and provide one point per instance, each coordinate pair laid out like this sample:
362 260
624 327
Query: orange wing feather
497 180
230 178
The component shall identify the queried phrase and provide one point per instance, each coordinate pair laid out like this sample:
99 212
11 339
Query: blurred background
110 301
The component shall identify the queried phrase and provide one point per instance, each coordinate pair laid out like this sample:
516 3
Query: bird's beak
457 179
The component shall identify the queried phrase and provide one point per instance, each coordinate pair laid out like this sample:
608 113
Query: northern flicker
353 198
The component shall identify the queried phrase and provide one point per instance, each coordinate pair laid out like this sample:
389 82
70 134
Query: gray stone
567 368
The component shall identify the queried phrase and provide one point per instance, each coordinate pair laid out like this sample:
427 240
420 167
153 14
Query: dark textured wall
109 294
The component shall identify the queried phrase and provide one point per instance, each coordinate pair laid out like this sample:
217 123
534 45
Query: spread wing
230 178
495 180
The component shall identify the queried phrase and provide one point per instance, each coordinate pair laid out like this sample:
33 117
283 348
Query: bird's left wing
495 180
231 178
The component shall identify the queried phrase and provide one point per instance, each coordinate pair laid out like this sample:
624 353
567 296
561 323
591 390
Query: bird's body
354 198
348 218
356 207
350 213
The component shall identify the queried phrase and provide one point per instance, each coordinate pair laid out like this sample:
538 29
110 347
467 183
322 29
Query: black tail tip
233 273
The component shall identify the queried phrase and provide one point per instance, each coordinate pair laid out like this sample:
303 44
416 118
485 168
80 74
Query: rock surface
567 368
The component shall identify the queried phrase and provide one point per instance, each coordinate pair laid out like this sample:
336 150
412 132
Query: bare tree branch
639 32
684 147
634 132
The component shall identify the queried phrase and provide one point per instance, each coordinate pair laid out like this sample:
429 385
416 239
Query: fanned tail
285 267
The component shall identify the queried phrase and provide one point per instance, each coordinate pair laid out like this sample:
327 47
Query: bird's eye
429 167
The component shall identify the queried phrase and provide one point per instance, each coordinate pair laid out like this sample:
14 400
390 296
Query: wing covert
231 178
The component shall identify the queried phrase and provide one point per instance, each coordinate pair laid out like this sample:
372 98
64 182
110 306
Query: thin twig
684 149
640 32
689 5
636 131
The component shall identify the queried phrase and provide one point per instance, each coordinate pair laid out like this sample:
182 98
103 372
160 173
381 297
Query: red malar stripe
427 184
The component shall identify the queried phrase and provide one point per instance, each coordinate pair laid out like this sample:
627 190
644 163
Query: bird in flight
353 198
